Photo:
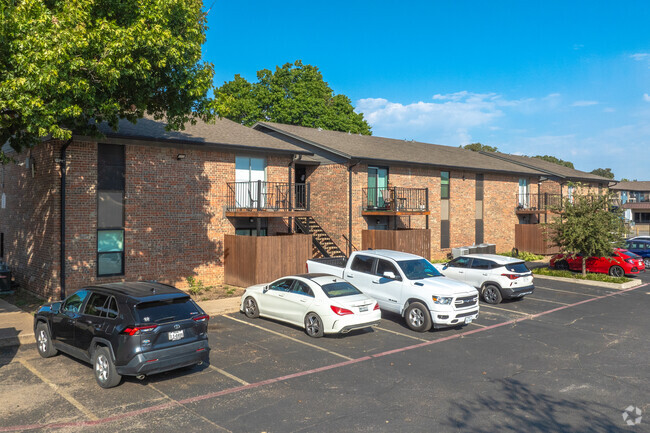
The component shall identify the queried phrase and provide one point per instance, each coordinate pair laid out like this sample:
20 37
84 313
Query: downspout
62 162
349 243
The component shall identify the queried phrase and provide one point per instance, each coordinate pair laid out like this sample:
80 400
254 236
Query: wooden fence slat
531 238
414 241
252 260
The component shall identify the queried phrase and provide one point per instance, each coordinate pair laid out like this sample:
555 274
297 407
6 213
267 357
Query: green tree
478 147
65 65
294 94
604 172
587 225
555 160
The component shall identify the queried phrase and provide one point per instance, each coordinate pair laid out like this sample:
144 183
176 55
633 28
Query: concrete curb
635 282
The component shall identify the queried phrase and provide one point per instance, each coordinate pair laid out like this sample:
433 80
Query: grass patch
24 300
578 276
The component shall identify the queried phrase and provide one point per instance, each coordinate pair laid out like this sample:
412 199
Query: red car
620 263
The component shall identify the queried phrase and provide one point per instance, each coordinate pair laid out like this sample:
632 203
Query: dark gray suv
132 329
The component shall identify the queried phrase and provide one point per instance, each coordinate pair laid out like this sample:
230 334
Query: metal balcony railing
272 196
395 199
542 201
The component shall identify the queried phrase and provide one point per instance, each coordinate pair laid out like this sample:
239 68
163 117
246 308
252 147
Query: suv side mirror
389 274
56 307
445 266
265 289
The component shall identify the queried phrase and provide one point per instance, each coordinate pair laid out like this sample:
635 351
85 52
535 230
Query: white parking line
288 338
228 375
63 393
546 300
565 291
507 311
399 333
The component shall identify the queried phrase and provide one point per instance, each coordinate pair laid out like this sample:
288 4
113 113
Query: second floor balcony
534 203
395 201
264 199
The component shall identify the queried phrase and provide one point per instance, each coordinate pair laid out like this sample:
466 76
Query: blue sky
569 79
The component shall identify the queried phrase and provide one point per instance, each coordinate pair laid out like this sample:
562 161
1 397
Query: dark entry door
300 188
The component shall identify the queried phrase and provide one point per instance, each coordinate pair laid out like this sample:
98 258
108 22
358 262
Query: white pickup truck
405 284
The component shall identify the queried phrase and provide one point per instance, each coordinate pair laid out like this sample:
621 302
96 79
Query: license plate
364 308
468 320
175 335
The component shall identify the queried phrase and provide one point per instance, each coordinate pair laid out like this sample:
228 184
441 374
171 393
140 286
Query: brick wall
31 220
329 199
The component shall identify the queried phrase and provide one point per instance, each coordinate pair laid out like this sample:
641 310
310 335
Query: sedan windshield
418 269
342 288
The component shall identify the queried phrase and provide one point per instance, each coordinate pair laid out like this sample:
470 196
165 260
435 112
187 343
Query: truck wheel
417 317
492 294
250 308
105 372
44 341
616 271
314 325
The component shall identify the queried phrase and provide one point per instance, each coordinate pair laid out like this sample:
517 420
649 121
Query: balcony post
259 195
308 193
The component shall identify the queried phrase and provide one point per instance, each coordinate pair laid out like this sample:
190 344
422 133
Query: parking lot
570 357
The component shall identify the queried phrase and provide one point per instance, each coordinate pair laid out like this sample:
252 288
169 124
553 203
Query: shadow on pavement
518 407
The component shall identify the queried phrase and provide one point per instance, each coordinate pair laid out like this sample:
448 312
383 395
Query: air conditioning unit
459 251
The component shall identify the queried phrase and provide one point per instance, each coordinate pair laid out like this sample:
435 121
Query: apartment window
110 209
444 234
479 186
2 245
444 184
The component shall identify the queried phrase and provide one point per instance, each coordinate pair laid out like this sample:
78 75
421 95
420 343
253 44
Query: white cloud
584 103
609 110
639 56
646 97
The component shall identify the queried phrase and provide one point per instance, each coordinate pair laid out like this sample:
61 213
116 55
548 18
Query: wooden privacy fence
414 241
531 238
252 260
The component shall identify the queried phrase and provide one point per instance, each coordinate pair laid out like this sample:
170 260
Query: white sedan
321 303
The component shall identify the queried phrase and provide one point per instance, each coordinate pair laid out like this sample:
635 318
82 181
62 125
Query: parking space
259 367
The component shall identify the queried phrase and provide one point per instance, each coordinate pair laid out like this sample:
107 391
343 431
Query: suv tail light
135 330
376 307
340 311
203 318
511 276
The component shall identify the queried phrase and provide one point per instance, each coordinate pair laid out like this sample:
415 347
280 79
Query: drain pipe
62 162
349 243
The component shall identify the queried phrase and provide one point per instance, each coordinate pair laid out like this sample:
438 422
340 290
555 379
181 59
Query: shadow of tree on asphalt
519 407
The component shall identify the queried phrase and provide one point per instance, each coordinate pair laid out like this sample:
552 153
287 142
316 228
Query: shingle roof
632 186
548 167
221 133
642 205
366 147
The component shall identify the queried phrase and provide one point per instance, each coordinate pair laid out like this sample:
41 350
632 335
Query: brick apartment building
372 183
634 198
141 204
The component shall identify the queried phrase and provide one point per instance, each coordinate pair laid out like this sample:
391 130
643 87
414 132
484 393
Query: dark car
640 247
125 329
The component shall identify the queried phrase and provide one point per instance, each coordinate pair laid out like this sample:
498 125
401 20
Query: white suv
496 277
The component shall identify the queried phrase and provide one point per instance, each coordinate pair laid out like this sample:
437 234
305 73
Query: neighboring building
361 182
536 202
143 203
634 198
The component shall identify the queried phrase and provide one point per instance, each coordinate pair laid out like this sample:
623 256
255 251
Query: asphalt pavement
570 357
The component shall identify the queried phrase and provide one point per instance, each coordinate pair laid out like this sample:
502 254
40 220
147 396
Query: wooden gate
531 238
252 260
414 241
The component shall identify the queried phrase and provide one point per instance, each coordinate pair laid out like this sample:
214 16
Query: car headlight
441 300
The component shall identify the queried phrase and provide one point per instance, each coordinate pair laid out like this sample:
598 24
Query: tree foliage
555 160
478 147
295 94
65 64
604 172
587 225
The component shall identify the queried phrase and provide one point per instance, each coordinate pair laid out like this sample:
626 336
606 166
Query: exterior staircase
324 246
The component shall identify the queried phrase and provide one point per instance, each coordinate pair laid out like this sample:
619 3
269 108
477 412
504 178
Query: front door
389 290
523 193
377 185
65 321
274 302
248 171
